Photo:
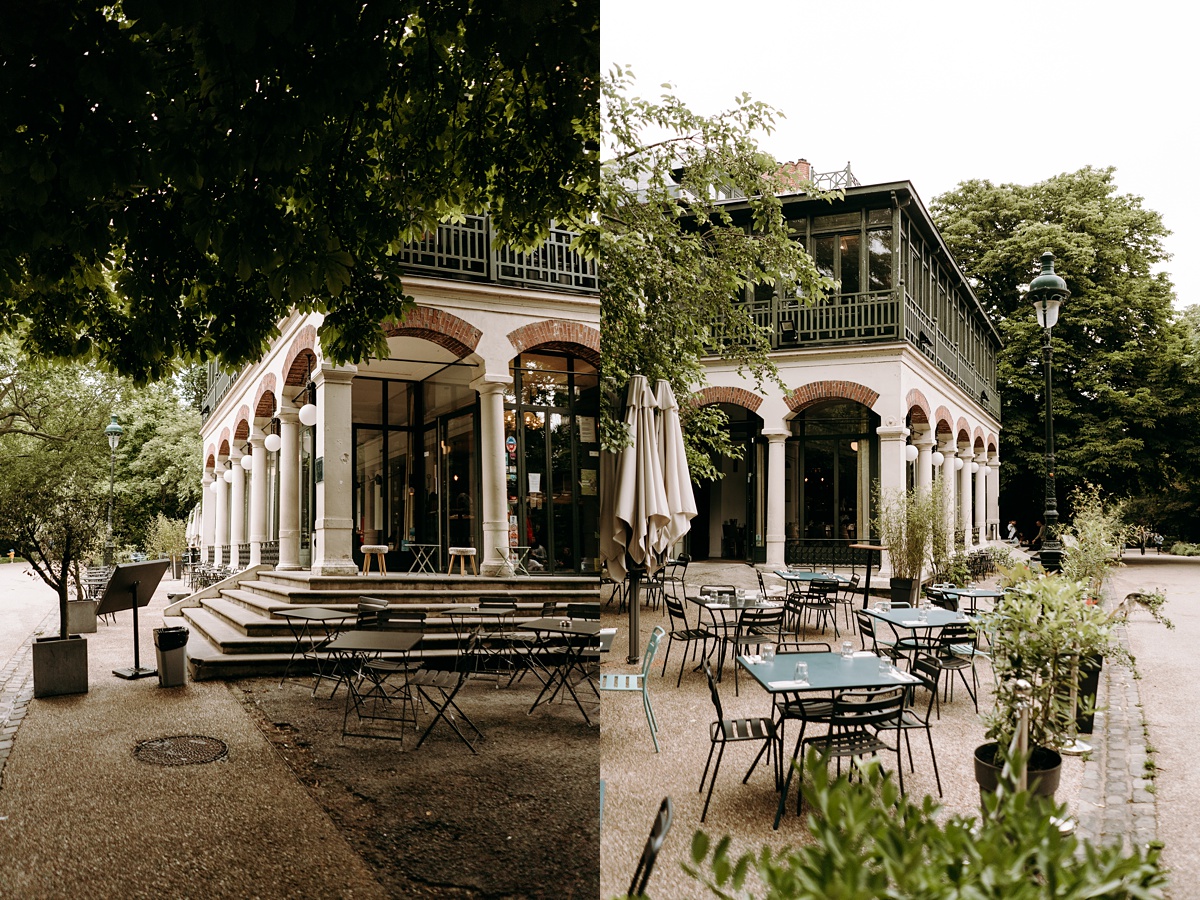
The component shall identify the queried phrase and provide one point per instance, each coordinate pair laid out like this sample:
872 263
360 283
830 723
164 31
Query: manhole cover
181 750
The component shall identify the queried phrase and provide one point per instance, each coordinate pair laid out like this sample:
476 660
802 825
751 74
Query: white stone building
891 382
479 429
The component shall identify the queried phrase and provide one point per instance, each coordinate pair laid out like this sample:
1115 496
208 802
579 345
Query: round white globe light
272 443
937 457
213 487
308 414
974 467
247 462
958 464
911 452
228 476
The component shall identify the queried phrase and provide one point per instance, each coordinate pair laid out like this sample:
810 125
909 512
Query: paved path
1170 697
80 816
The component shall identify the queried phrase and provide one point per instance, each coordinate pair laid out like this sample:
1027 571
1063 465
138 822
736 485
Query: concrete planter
81 616
60 666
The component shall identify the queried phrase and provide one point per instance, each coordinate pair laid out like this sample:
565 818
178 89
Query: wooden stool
462 554
377 552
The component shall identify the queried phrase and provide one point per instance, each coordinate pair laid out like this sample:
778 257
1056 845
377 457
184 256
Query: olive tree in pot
907 523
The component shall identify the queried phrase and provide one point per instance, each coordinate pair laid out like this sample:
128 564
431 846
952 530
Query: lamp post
1048 291
113 432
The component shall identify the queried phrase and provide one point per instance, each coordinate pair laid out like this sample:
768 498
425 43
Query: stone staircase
236 630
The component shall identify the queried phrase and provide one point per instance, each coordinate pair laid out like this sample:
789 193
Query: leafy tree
1124 386
175 177
676 261
53 506
157 460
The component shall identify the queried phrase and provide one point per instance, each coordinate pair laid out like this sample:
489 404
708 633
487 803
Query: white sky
941 92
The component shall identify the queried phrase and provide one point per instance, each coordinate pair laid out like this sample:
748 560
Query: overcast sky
940 92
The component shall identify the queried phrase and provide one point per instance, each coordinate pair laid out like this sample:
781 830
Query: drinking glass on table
922 615
801 674
885 665
768 652
847 649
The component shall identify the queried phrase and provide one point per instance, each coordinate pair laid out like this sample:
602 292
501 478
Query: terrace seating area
932 736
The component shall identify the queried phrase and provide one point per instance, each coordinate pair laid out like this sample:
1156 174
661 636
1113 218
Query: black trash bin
170 646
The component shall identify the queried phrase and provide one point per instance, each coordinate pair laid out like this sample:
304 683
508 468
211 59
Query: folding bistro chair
725 731
658 834
438 681
638 682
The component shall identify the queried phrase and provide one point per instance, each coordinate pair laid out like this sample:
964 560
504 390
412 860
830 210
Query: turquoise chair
639 681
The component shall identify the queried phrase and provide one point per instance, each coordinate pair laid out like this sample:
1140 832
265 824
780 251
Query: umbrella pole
635 636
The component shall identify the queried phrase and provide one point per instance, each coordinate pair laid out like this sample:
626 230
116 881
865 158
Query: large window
552 461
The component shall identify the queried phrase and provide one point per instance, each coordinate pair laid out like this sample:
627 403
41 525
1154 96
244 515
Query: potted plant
1039 632
906 524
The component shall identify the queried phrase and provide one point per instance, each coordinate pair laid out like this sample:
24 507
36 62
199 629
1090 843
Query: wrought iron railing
921 330
270 553
820 553
831 181
243 559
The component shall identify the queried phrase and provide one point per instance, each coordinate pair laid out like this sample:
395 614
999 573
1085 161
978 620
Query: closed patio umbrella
640 510
677 478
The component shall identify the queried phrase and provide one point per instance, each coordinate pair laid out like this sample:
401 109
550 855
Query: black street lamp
113 432
1048 291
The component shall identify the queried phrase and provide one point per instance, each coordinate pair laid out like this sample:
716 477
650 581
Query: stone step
478 584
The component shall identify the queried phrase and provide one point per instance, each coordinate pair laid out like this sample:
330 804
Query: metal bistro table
300 622
491 622
972 594
423 561
725 618
352 649
908 617
580 634
827 672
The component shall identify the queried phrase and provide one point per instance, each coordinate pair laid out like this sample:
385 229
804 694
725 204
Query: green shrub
873 842
1181 548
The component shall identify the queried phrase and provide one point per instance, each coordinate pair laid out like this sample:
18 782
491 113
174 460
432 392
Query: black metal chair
955 652
802 708
438 682
848 596
866 629
858 720
725 731
658 834
757 625
369 610
928 673
820 601
683 632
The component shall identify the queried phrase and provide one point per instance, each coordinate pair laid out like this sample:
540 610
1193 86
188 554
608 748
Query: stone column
208 517
776 498
333 553
222 530
493 486
981 476
947 447
893 436
993 497
923 441
258 495
237 507
289 489
966 454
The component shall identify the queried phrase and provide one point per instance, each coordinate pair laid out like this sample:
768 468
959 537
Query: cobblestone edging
16 690
1116 798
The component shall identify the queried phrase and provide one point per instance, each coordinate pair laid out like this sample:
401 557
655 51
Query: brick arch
241 431
993 443
816 391
735 396
558 334
963 430
439 327
978 438
210 457
264 397
944 419
223 450
916 403
294 363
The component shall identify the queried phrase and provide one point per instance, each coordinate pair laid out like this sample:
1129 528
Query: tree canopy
675 261
175 176
1124 385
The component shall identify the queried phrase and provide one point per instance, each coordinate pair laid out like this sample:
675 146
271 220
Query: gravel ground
636 779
